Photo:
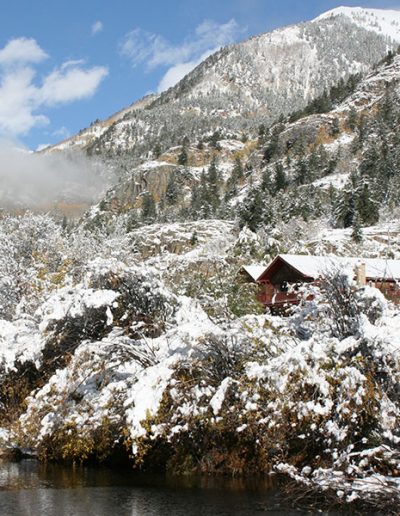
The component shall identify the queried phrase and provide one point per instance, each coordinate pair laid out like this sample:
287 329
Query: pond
31 488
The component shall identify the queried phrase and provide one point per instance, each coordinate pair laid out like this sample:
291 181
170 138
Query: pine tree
194 238
346 207
370 163
183 157
352 119
148 212
214 181
238 169
302 173
280 180
323 103
367 208
157 150
214 140
266 182
272 149
252 210
357 234
335 130
201 202
173 190
262 134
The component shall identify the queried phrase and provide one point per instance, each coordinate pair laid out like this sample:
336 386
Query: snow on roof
254 271
315 266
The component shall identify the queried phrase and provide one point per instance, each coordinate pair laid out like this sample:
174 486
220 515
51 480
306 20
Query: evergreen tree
148 211
367 208
323 104
214 140
272 149
214 181
313 165
280 180
173 190
252 210
238 169
194 238
335 130
356 234
183 157
346 208
362 129
262 134
386 107
352 119
302 172
266 182
201 202
157 150
370 164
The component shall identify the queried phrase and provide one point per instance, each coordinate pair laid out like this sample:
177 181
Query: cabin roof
254 271
316 266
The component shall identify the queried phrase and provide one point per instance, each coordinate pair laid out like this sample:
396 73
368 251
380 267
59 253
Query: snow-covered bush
336 306
31 257
79 413
220 289
144 304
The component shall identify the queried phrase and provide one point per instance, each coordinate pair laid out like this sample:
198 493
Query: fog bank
38 181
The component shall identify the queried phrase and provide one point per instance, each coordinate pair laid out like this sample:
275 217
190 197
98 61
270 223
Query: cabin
251 273
279 280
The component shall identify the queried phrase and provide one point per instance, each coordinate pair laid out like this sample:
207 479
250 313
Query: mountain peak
385 22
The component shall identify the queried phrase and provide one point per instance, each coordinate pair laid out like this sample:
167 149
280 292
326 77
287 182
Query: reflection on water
30 488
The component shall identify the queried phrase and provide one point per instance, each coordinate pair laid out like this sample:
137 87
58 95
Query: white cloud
70 83
22 50
97 27
23 95
18 102
153 50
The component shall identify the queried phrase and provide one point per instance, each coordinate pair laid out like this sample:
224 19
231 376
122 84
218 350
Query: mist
40 181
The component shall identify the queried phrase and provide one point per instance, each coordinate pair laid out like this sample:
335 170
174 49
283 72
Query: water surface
30 488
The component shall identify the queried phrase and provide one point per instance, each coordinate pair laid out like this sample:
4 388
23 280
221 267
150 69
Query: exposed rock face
153 180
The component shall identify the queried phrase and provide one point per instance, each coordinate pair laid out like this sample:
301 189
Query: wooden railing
278 299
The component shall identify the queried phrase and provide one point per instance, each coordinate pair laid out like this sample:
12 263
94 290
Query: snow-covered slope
86 136
251 83
385 22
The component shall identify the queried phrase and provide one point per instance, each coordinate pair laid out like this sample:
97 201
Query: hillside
340 151
132 333
250 83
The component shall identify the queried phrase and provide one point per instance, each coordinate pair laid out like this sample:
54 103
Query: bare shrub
220 357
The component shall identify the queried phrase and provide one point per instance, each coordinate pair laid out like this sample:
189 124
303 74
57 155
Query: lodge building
289 270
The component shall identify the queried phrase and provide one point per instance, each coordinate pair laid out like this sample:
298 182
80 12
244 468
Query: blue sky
64 64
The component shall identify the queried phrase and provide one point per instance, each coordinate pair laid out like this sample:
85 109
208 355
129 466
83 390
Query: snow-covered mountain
385 22
86 136
250 83
130 333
